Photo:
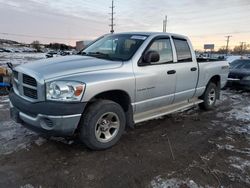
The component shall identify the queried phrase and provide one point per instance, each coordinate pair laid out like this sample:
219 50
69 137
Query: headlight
64 91
246 78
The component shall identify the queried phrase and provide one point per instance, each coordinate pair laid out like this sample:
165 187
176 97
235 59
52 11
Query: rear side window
163 47
182 50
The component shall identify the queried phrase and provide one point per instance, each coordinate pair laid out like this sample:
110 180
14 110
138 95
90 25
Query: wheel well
120 97
215 80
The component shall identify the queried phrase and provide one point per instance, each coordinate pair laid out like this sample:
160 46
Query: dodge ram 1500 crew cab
117 81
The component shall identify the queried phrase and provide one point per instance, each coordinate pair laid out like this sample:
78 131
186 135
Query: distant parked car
64 53
51 54
239 75
8 50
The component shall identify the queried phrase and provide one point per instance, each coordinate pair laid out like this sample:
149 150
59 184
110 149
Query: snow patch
242 114
159 182
241 130
14 137
239 163
241 167
19 58
27 186
233 149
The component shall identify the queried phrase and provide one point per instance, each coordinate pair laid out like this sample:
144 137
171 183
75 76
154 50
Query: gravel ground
209 149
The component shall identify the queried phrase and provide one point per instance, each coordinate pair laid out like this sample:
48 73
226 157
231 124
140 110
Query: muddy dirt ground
209 149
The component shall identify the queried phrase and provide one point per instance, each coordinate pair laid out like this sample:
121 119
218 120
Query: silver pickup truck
117 81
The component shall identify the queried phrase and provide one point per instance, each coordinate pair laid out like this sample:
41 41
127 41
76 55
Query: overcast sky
204 21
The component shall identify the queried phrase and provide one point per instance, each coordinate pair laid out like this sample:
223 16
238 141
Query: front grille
25 85
29 80
28 92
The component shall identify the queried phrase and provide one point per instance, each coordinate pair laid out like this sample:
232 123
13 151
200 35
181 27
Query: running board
156 113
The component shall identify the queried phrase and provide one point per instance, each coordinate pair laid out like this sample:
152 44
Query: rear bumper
50 118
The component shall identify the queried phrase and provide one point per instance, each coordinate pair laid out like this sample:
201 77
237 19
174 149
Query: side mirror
150 57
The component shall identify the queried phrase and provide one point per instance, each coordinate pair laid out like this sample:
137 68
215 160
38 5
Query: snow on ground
19 58
237 136
13 137
242 114
239 149
159 182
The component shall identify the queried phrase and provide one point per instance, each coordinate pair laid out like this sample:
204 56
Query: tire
102 125
209 97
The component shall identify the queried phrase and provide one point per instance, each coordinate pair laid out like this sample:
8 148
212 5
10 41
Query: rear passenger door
186 70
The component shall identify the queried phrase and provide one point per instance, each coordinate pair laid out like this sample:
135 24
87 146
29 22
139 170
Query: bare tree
36 44
222 50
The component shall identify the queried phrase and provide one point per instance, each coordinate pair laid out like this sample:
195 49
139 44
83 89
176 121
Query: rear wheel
209 97
102 125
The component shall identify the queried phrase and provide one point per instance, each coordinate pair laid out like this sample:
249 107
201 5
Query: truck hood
63 66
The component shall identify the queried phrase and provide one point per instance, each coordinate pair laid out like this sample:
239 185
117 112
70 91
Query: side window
163 47
182 50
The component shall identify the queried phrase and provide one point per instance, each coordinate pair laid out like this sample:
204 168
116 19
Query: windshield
115 47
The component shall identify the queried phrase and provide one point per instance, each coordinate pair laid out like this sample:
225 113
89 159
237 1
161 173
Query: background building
81 44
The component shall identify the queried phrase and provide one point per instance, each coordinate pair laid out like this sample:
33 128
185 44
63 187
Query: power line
38 36
112 17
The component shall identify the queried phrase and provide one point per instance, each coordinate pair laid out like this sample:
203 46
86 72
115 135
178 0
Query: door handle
171 72
193 69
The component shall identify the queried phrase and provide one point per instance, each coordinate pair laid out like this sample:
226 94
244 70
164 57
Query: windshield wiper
97 55
101 55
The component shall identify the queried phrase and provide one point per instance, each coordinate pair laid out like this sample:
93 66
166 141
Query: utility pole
165 24
112 17
228 39
241 47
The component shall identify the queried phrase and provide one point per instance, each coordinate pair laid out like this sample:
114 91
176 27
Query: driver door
155 83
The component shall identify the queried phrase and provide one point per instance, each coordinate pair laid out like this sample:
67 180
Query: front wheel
209 97
102 125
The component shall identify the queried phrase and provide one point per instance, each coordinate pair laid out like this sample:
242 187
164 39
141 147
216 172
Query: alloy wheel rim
107 127
211 97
